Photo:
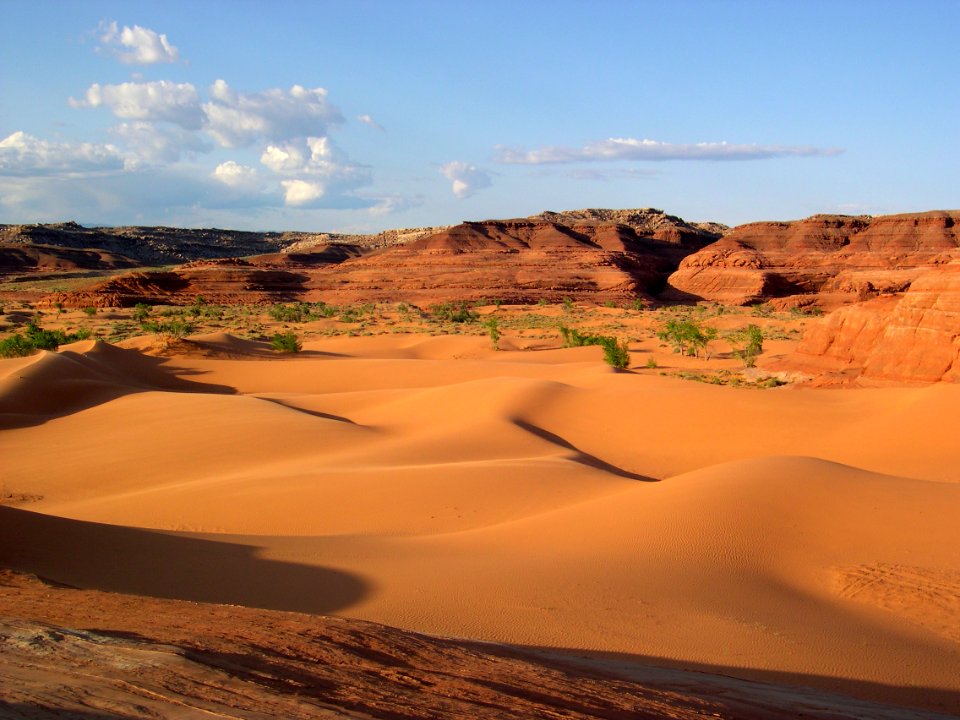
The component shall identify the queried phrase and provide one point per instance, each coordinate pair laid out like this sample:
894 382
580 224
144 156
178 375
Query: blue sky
359 116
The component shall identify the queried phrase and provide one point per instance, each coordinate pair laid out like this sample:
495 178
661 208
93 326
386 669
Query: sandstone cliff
839 258
915 337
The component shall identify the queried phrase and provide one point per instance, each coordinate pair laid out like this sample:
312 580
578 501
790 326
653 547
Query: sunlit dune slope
436 485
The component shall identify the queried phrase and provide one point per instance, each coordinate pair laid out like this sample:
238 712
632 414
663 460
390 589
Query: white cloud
367 120
24 155
392 204
287 158
238 119
302 192
466 179
234 175
155 143
317 168
138 45
161 100
633 149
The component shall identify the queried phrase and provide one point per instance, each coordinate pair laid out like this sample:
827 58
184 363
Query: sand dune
526 498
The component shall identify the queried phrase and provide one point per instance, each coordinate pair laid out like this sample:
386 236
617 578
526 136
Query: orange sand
532 498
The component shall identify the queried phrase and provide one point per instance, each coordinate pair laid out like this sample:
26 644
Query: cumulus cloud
317 170
235 175
238 119
25 155
154 143
367 120
654 150
138 45
302 192
465 179
161 100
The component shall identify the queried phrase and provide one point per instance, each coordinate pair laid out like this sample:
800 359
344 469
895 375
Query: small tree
751 337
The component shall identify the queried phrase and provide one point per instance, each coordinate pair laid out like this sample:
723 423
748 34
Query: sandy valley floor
533 498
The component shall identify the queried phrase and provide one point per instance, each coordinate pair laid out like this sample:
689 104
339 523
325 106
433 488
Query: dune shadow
167 565
68 382
794 693
311 413
581 457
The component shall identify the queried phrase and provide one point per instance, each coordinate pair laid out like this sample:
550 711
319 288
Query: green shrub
286 342
616 353
751 337
91 311
456 312
140 312
16 346
494 331
36 338
652 363
175 328
687 336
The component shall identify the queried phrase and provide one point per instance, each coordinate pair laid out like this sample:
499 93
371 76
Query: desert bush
286 342
91 311
616 353
457 312
751 338
652 363
140 312
355 313
37 338
493 329
175 328
16 346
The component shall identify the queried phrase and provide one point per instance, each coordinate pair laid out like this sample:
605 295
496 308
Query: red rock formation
912 338
228 281
513 260
841 258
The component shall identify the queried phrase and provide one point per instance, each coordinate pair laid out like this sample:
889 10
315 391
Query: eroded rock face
518 261
840 258
511 260
222 282
915 337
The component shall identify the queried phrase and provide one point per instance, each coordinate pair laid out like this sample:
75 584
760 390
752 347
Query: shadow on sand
168 565
791 692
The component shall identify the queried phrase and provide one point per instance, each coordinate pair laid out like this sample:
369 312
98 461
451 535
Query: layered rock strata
839 258
912 338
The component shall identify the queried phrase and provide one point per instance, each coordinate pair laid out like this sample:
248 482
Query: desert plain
750 541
